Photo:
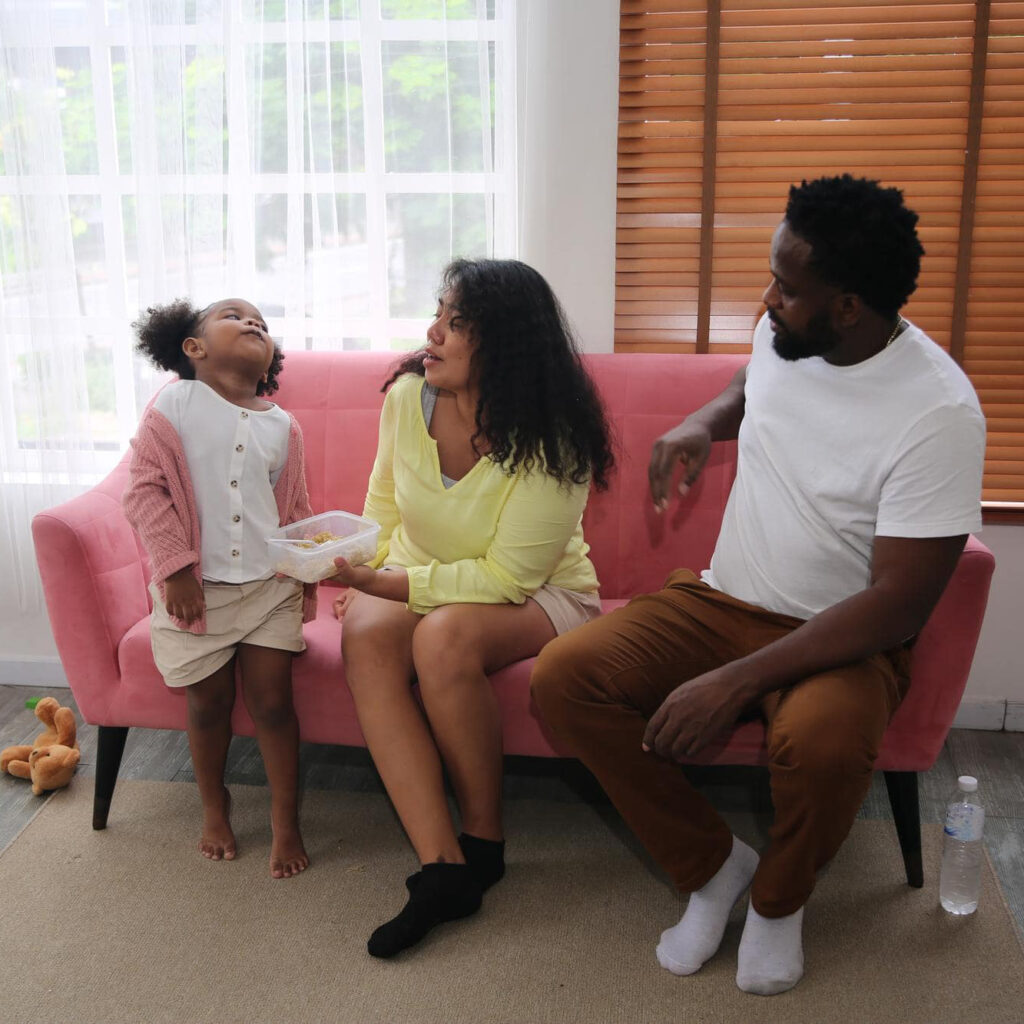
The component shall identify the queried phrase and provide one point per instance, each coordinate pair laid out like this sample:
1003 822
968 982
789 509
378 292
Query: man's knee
558 677
824 754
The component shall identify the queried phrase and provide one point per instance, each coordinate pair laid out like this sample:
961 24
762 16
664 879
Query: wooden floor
996 758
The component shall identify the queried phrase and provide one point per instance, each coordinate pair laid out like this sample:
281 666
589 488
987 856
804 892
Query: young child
215 467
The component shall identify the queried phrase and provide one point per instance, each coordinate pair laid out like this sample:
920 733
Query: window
323 158
724 104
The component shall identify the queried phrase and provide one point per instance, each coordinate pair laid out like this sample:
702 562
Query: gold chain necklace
900 324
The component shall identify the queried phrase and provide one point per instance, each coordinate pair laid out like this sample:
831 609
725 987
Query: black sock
440 892
484 857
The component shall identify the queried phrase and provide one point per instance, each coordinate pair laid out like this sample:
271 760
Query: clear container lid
967 783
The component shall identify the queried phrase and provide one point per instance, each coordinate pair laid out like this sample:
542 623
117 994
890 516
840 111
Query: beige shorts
567 609
265 613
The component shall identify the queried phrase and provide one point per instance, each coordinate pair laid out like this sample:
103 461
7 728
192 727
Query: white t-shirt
234 458
831 457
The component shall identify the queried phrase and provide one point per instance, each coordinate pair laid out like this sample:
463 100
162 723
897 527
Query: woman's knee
373 651
445 645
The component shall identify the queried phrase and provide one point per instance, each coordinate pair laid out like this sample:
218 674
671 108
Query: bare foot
218 841
288 856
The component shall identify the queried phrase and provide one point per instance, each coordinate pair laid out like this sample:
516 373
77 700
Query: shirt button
234 552
234 483
236 519
245 415
239 447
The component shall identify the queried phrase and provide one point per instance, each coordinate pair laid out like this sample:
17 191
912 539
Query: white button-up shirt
234 457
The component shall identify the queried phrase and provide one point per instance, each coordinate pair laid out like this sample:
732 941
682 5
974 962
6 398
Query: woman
489 440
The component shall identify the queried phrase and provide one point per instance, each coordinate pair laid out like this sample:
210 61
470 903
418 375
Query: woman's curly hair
863 238
162 331
538 405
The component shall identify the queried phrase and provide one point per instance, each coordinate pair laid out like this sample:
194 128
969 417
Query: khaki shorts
265 613
567 609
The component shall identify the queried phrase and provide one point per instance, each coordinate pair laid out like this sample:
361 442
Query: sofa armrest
941 660
94 581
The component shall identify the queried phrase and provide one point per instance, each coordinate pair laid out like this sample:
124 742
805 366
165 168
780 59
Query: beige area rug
131 925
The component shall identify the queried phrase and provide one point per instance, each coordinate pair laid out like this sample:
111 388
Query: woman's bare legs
209 734
267 689
376 643
454 648
451 649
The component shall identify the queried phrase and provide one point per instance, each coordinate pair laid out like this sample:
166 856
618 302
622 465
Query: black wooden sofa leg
906 813
108 760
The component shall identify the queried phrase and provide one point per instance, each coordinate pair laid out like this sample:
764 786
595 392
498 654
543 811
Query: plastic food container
307 549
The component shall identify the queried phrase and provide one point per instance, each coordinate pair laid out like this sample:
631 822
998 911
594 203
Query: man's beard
817 339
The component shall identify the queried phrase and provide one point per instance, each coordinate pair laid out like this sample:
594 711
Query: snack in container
307 549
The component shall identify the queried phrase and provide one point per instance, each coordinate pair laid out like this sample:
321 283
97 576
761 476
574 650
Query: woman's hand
391 583
183 596
359 576
343 602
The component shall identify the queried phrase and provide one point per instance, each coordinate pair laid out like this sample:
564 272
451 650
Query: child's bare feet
218 841
288 856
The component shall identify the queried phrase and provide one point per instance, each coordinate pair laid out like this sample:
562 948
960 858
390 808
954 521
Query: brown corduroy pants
597 685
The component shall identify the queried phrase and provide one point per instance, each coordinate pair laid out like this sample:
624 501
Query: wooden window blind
724 105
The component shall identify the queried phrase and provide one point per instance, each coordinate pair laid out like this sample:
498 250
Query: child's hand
343 602
183 596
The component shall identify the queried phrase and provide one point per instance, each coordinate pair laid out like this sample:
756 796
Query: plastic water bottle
960 878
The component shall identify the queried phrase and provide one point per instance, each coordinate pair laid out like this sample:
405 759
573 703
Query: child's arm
157 506
183 596
290 491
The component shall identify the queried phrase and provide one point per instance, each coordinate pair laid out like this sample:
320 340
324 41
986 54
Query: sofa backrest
336 398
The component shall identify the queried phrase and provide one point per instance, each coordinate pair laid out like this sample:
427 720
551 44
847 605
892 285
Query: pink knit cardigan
160 504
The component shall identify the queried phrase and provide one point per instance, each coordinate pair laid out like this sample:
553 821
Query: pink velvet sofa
95 573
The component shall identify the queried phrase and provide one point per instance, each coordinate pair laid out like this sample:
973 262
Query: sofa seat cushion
327 713
325 707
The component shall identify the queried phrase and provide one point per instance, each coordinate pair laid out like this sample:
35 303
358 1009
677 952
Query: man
861 446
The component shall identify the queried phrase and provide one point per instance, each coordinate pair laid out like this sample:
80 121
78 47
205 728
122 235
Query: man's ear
848 309
194 348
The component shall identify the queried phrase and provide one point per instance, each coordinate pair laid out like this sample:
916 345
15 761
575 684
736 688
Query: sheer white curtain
322 158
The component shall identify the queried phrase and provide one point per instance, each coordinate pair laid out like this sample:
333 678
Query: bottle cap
967 783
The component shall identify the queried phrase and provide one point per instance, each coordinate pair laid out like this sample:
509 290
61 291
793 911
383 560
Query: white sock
685 947
771 958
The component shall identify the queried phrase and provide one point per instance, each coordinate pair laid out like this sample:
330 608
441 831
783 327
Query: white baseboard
32 672
1014 716
982 713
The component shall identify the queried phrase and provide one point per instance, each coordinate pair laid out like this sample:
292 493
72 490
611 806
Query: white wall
568 53
997 674
28 655
568 127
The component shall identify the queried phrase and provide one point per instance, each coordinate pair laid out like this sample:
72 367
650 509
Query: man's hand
688 444
183 596
696 713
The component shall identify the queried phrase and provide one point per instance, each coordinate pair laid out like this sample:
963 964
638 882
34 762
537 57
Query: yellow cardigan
490 539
